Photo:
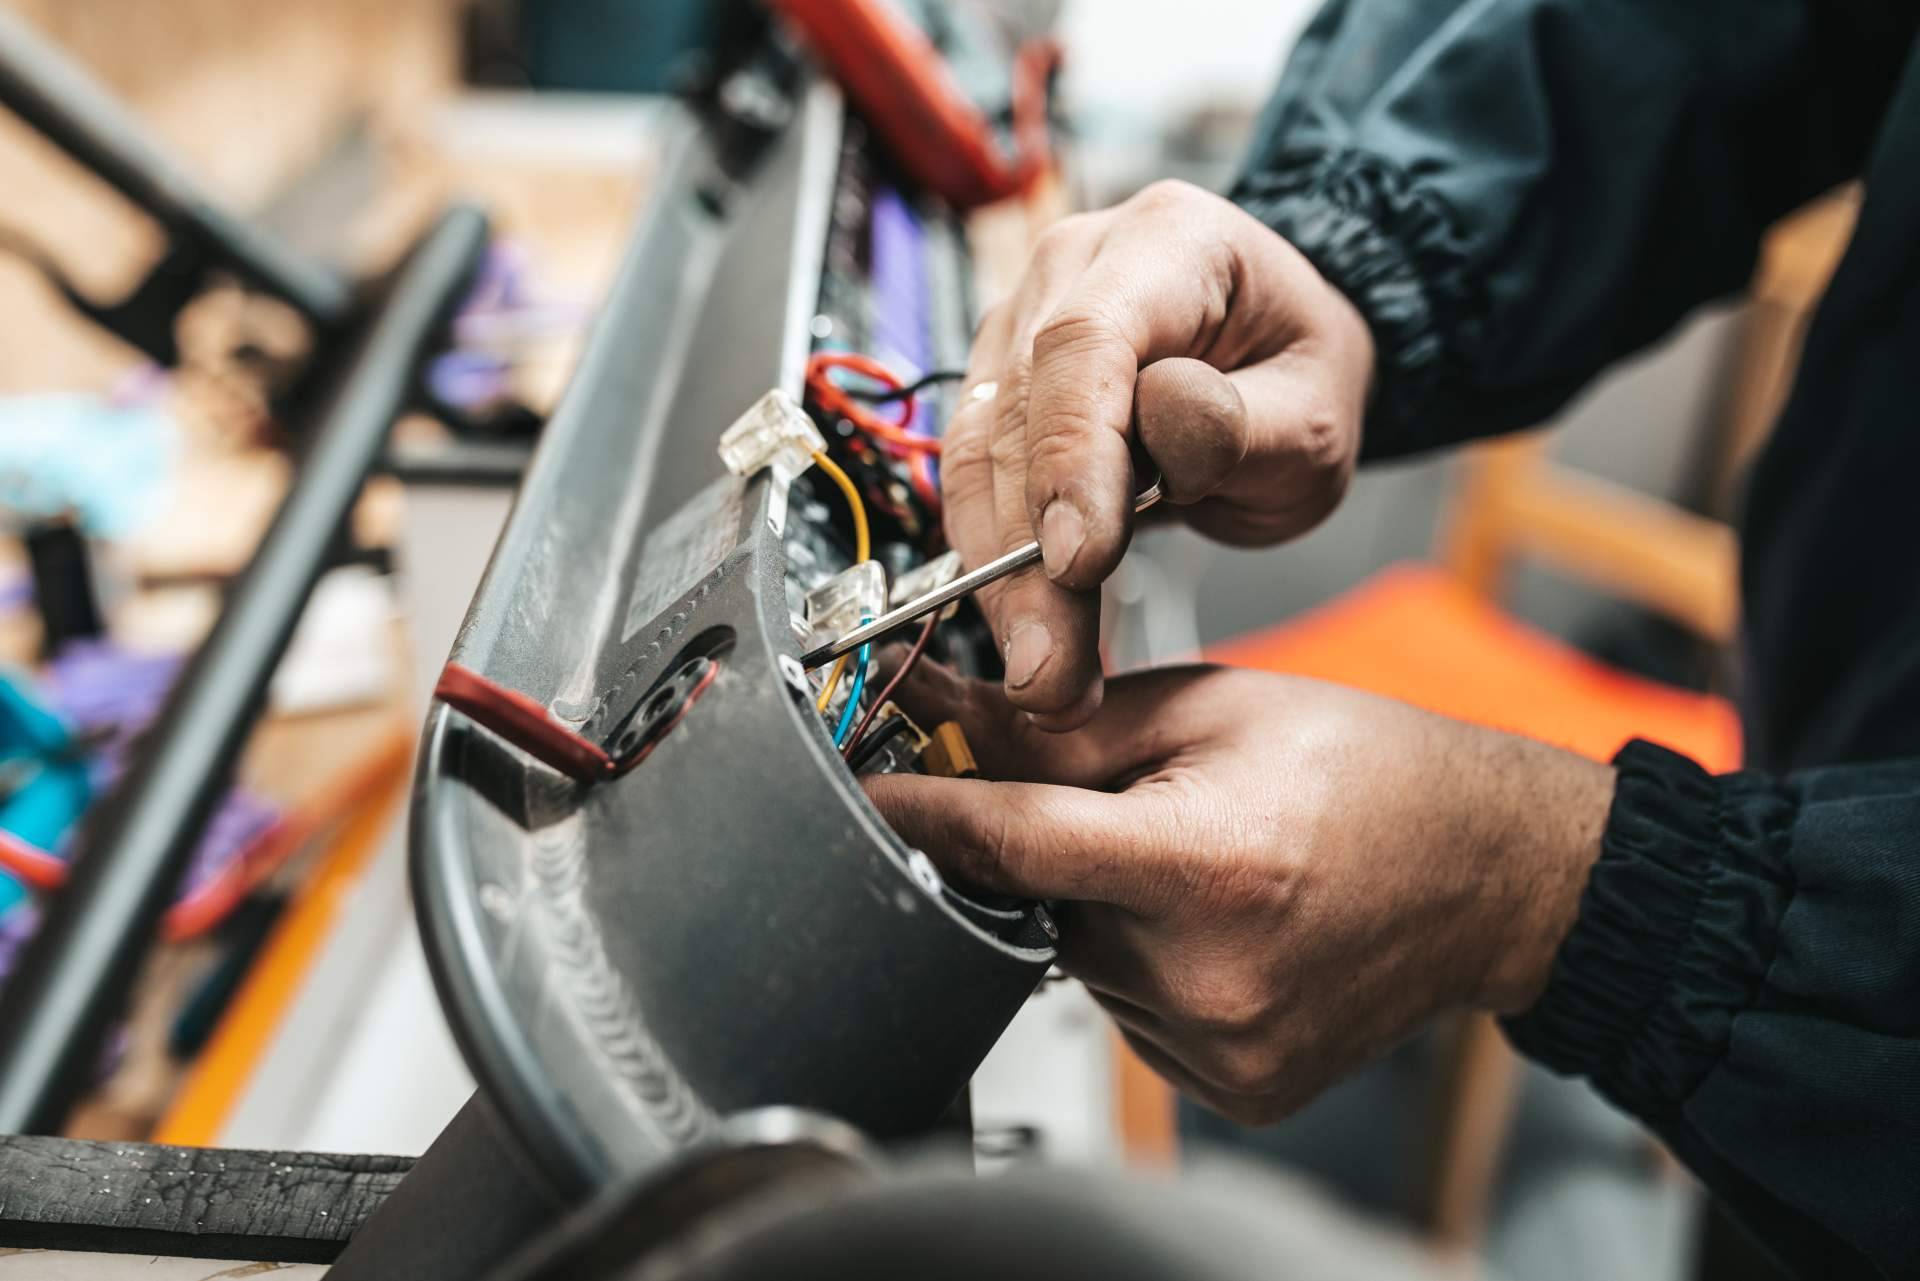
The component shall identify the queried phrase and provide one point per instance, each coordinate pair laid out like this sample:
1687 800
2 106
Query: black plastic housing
730 925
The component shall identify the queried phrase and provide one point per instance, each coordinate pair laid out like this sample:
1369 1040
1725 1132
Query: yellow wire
861 550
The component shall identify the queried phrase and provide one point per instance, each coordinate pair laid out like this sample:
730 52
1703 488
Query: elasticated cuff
1396 252
1675 932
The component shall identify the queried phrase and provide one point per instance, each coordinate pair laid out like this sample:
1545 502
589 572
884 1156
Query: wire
861 754
853 694
895 437
862 537
30 863
833 682
909 390
835 399
862 550
913 656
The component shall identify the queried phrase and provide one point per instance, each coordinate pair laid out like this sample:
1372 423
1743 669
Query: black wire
877 738
877 396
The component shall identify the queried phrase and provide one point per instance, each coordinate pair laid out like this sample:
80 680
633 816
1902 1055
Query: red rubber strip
522 722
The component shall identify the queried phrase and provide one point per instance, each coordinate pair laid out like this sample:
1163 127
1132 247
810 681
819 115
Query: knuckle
1007 451
992 316
974 849
1074 331
1060 448
1061 236
1324 441
1010 404
1230 1005
966 444
1315 469
1253 1072
1165 196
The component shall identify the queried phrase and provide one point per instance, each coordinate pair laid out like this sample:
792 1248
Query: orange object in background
1412 632
901 84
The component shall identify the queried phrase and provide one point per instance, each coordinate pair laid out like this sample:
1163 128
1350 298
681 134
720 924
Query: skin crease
1267 881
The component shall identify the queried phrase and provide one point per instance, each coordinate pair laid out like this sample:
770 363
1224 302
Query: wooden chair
1477 663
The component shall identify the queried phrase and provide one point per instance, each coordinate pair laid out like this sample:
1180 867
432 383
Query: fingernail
1029 645
1062 530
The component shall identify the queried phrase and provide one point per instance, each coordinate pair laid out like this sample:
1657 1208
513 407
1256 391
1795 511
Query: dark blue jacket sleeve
1744 976
1517 192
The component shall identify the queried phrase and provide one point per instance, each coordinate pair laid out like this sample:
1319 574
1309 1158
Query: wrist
1549 810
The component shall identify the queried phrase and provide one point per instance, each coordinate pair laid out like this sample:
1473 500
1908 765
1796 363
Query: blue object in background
106 463
43 809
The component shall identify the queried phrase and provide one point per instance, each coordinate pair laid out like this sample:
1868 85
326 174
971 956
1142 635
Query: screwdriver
966 584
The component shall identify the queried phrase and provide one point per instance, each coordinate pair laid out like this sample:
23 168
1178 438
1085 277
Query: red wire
834 399
31 864
893 437
214 901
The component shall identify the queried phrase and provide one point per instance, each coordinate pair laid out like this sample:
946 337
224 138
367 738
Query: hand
1176 323
1267 881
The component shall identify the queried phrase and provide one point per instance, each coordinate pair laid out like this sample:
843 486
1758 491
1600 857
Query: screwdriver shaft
966 584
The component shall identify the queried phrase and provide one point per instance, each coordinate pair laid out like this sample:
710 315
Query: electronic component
947 754
892 746
774 432
919 607
928 577
846 600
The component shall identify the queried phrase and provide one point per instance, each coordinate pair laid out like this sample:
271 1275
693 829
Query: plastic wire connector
774 432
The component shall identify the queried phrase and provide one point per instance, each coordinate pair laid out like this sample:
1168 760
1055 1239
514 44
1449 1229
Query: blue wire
853 694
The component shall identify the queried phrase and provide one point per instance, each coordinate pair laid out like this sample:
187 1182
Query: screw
924 871
495 899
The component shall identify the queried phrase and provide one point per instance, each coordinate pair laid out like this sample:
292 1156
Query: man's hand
1174 323
1267 881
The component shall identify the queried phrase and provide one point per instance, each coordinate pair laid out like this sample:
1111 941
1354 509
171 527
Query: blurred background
1582 581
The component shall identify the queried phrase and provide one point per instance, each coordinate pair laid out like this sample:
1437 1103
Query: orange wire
834 399
31 864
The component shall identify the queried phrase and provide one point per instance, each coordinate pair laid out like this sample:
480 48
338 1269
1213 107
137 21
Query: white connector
846 600
774 432
930 576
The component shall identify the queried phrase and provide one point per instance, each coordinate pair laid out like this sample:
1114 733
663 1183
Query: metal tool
991 572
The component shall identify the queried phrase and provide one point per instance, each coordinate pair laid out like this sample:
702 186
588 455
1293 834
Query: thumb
1028 840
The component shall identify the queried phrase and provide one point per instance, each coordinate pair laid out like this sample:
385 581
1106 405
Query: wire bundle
892 437
895 438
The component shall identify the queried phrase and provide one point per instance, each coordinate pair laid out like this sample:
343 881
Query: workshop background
1574 578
